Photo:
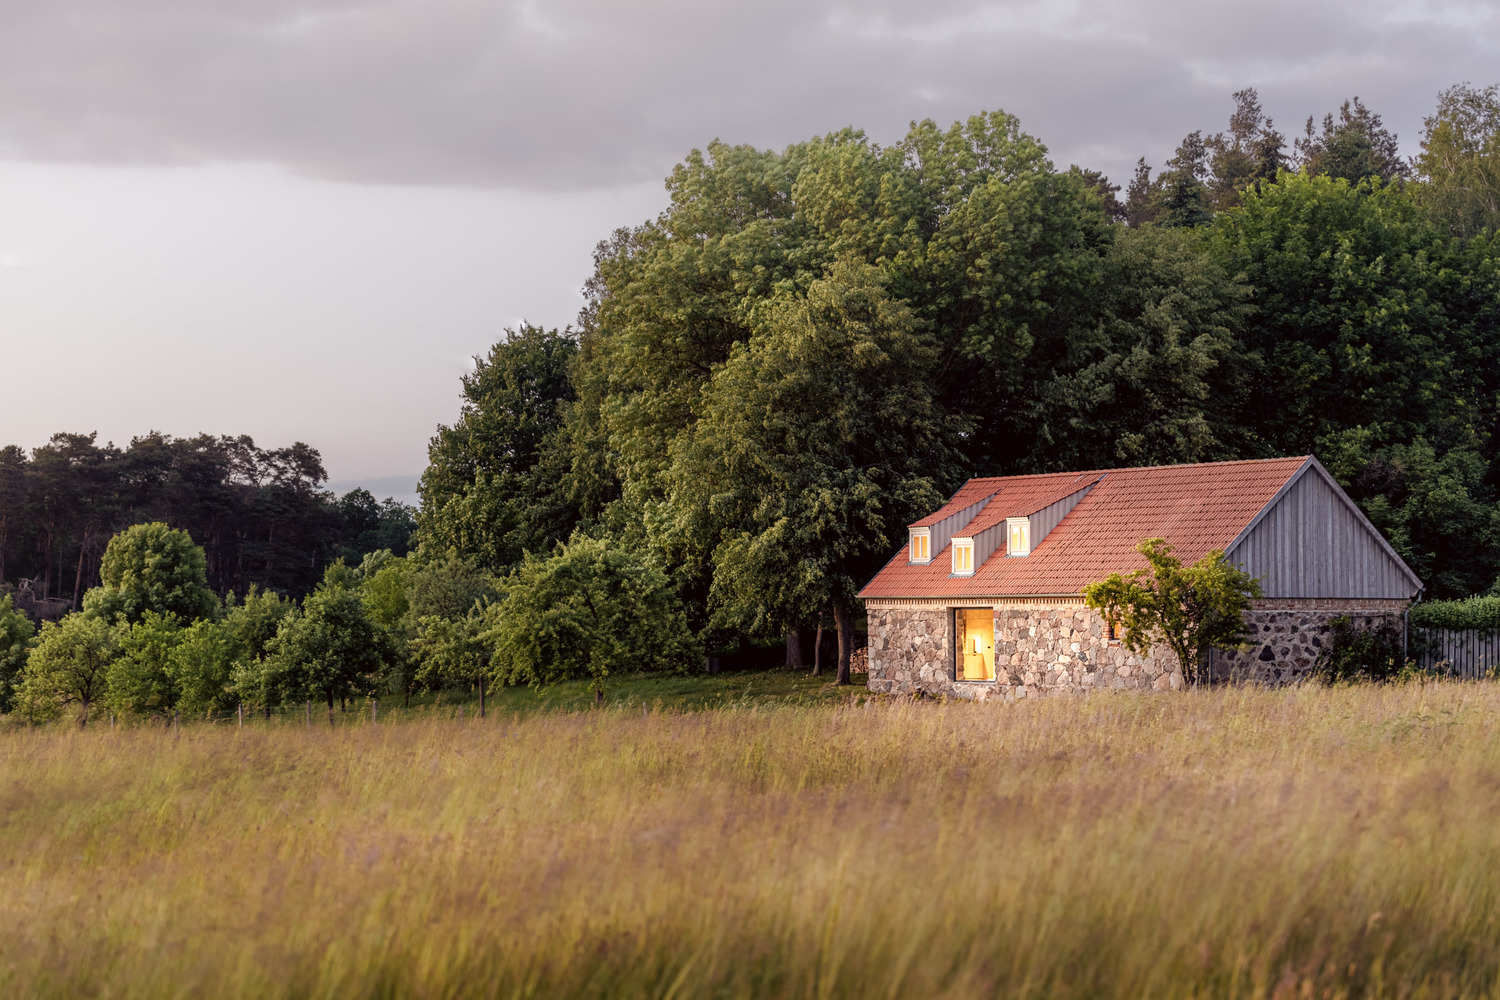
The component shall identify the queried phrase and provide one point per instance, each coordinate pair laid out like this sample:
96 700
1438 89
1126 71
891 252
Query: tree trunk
47 566
818 648
330 706
844 622
795 657
83 720
78 576
481 696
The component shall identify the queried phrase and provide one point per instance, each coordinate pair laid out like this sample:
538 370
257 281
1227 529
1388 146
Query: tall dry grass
1235 843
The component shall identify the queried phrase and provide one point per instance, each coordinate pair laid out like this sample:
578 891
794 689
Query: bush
16 631
1376 653
1478 614
588 610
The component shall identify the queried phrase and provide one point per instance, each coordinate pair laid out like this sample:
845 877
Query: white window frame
1012 526
963 557
921 538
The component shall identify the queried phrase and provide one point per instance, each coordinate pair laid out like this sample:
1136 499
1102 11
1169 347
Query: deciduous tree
1191 609
69 665
1354 147
331 649
819 441
454 651
588 610
494 485
1459 165
252 624
142 680
16 632
151 567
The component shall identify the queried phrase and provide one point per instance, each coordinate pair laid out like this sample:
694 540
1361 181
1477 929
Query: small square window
920 549
963 556
1018 536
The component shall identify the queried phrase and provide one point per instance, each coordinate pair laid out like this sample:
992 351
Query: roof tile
1197 508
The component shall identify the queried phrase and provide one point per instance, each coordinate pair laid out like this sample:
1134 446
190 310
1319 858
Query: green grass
793 842
633 692
659 692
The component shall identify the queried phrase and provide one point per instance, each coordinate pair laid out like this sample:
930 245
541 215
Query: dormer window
963 557
920 550
1018 536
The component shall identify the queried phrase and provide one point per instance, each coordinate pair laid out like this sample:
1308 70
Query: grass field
1233 843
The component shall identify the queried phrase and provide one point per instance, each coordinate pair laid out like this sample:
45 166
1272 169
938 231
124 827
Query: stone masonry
1047 649
1285 643
1038 650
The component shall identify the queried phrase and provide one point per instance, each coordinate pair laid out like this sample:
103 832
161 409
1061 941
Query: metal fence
1460 653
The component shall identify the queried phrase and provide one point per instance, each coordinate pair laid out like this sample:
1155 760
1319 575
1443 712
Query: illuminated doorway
974 658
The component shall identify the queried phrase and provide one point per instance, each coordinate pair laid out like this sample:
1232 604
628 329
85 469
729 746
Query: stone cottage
986 598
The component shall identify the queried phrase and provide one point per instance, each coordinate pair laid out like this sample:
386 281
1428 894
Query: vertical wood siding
986 542
1044 520
1461 654
944 530
1310 544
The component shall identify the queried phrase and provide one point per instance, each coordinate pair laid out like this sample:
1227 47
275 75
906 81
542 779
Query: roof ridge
1139 468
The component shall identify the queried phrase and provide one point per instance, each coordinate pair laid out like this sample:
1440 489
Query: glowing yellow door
977 655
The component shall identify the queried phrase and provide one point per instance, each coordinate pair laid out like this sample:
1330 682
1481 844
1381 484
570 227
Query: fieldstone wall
1049 649
911 649
1038 650
1285 643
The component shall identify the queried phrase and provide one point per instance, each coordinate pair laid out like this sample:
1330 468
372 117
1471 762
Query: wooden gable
1312 541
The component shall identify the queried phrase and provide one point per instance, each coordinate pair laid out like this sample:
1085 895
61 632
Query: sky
300 220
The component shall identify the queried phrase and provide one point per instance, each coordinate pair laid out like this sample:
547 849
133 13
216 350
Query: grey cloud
589 93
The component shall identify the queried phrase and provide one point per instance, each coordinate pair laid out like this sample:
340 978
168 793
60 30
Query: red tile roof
1022 496
1195 507
968 494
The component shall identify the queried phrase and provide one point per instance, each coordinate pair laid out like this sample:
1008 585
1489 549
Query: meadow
1311 842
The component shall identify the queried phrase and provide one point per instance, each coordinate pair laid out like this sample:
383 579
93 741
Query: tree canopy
260 515
151 568
588 610
1189 609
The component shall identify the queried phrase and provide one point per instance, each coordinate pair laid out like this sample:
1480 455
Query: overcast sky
296 220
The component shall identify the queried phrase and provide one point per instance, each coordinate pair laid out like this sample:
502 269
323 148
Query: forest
808 349
261 516
805 351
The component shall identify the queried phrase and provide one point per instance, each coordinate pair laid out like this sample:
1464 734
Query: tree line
810 348
154 642
260 515
807 350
